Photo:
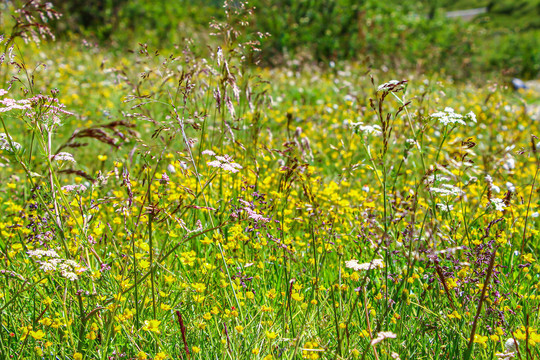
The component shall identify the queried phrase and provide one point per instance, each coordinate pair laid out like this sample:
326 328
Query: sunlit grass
180 207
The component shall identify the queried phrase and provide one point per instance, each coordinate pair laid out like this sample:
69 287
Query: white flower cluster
449 116
11 104
447 190
63 156
383 335
445 208
41 253
367 129
6 143
492 186
509 162
370 129
430 179
69 269
224 162
498 204
375 264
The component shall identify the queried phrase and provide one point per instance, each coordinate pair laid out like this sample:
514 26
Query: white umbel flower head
375 264
63 156
383 335
449 117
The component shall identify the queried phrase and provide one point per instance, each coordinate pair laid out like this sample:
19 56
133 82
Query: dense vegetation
397 34
176 201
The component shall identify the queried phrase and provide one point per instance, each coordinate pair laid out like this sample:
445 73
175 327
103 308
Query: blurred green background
395 34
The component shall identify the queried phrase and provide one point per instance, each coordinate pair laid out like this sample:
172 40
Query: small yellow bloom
38 335
196 349
454 315
199 287
161 356
479 339
47 301
152 325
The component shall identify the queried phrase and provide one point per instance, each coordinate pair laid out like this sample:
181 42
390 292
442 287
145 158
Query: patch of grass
162 204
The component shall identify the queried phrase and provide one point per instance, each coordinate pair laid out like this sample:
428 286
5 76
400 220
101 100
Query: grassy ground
219 211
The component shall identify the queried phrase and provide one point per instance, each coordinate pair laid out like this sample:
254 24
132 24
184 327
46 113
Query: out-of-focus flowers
449 117
392 86
7 143
375 264
224 162
382 336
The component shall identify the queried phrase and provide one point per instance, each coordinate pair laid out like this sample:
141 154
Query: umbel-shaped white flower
449 117
375 264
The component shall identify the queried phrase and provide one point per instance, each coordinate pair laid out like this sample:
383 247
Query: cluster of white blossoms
383 335
430 179
52 262
445 207
224 162
63 156
498 204
42 253
449 116
7 143
492 186
369 129
447 190
375 264
11 104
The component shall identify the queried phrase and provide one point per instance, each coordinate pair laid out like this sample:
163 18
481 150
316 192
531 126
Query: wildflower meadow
200 200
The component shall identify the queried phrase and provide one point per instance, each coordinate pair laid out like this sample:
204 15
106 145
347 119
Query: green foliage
329 28
405 34
172 206
519 53
121 21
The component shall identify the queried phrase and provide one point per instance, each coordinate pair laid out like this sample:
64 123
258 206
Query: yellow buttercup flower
152 326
